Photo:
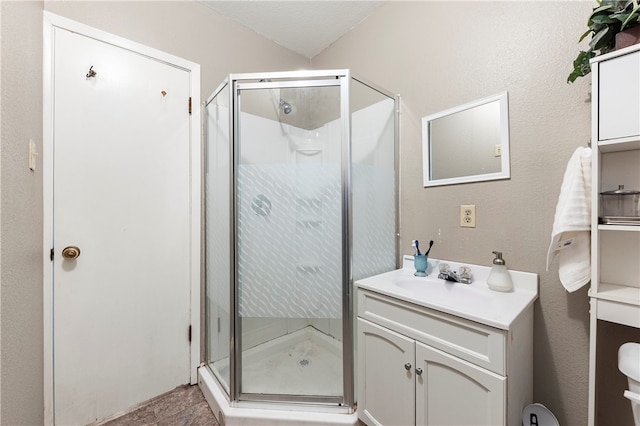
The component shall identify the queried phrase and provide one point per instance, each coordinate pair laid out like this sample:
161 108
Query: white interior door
122 195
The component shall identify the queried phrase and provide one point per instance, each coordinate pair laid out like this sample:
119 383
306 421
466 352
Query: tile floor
184 406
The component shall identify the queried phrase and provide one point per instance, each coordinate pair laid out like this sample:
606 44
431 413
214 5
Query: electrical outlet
468 215
497 151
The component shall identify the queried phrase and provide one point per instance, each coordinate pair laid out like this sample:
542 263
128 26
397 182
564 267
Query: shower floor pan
306 362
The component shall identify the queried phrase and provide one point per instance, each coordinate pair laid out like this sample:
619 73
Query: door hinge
189 105
51 254
189 333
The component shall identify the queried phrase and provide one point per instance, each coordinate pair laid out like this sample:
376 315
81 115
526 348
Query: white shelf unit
615 249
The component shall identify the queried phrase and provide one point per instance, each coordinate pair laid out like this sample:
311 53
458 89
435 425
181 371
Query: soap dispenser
499 278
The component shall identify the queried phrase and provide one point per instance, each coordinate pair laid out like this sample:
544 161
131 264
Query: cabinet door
619 92
451 391
386 394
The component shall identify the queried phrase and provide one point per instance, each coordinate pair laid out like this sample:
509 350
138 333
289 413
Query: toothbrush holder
420 263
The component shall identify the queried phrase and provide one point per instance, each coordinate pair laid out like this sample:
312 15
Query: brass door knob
71 252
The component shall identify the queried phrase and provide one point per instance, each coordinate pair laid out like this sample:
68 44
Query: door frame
50 22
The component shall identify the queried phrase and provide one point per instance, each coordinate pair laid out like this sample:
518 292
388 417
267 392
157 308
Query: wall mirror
468 143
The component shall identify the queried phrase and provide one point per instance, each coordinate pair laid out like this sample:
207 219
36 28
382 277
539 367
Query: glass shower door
289 238
217 235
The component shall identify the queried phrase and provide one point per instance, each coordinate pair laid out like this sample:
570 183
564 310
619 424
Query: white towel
571 237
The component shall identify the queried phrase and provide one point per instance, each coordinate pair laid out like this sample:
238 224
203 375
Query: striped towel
571 236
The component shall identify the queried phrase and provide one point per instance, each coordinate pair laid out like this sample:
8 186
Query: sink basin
475 301
443 292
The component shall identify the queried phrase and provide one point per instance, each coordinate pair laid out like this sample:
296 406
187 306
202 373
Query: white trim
50 22
196 219
47 204
267 414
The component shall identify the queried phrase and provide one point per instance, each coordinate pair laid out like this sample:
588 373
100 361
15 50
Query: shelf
615 54
615 247
626 228
617 304
617 293
307 268
309 151
309 223
622 144
309 202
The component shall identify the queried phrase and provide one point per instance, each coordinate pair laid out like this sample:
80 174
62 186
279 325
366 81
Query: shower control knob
407 366
71 252
419 371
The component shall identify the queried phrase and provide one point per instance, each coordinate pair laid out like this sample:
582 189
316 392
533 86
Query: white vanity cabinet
615 248
421 366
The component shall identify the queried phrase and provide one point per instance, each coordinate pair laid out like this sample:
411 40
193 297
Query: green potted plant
608 19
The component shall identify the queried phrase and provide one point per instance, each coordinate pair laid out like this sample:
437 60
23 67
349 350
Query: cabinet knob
407 366
419 371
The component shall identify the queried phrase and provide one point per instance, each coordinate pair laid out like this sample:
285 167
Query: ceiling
305 27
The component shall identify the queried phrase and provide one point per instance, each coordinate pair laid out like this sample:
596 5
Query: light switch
32 155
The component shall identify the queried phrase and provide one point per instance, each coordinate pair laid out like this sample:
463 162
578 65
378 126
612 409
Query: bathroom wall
436 54
21 396
186 29
441 54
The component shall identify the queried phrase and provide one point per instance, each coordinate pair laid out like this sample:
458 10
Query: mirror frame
505 172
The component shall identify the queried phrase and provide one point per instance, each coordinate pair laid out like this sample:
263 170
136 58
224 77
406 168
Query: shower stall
300 201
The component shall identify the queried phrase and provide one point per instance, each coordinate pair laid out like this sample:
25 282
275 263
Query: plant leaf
601 8
581 66
617 5
621 16
586 33
604 19
633 15
599 39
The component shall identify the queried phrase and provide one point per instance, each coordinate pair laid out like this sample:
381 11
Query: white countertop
475 301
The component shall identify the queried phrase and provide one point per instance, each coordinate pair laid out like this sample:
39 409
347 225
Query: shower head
285 106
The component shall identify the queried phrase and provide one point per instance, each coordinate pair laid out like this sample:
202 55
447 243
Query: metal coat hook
91 73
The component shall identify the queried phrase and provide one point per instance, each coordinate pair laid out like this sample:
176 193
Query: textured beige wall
185 29
0 220
441 54
21 387
436 55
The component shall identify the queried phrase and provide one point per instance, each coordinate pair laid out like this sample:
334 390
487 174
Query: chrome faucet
463 275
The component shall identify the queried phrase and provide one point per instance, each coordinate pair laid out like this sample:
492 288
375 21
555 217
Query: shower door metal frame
341 78
296 79
204 223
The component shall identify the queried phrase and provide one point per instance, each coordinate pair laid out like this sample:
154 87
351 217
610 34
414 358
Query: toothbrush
429 249
416 245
